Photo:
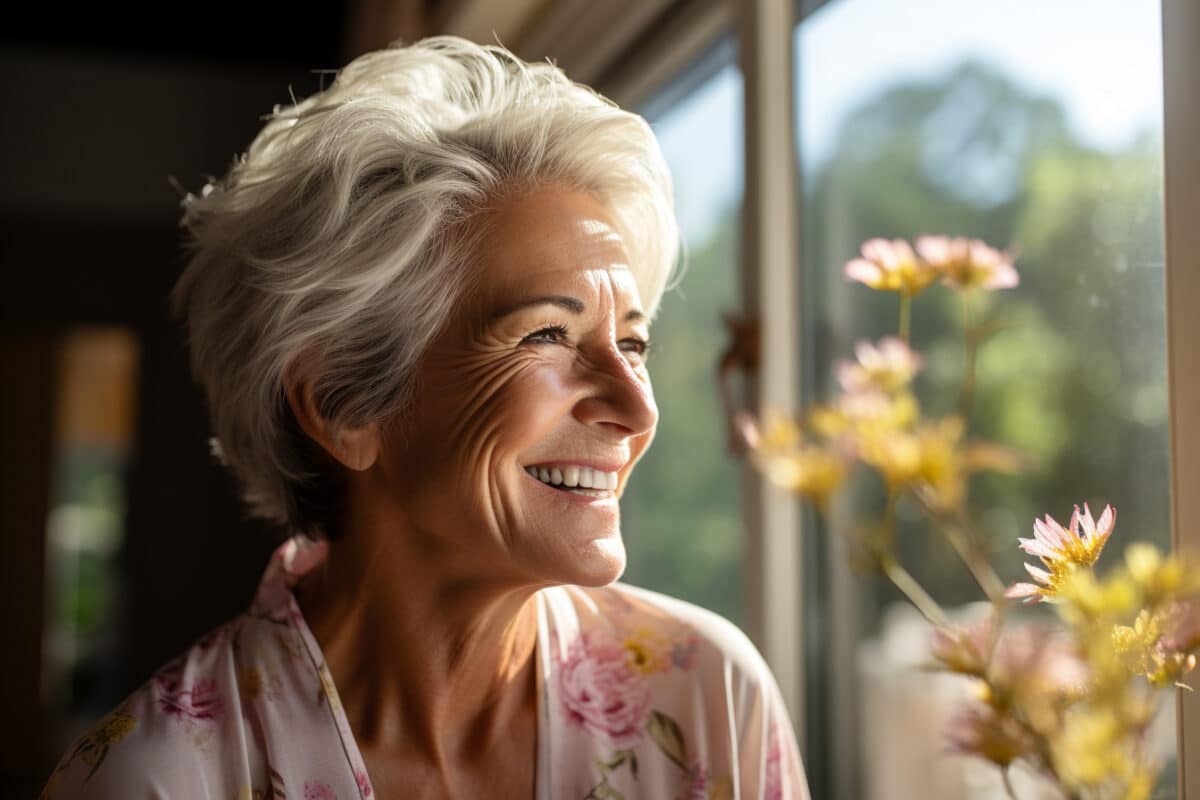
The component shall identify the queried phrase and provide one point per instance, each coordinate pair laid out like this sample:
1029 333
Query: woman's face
533 406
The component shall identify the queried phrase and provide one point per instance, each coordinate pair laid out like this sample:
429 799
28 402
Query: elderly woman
420 307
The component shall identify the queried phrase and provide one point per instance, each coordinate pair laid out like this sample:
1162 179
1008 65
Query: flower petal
1086 523
863 271
1036 547
1039 575
1031 593
933 248
1004 276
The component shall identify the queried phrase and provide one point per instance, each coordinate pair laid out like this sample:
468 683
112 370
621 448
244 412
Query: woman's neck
429 657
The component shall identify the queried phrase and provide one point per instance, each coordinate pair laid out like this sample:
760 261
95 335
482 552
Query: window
682 518
94 431
1034 126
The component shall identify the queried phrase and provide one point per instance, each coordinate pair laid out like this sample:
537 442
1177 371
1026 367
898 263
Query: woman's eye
635 345
551 334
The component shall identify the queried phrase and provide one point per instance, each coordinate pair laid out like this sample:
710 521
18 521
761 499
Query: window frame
1181 198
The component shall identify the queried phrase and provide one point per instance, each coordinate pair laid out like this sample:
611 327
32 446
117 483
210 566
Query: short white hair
340 233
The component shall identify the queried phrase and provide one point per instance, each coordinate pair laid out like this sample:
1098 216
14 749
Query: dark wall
89 235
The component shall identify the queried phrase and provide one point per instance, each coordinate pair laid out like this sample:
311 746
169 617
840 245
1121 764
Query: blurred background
1032 125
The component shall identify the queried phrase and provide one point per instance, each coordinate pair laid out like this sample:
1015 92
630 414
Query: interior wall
89 235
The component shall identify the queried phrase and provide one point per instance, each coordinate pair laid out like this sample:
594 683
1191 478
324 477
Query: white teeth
571 476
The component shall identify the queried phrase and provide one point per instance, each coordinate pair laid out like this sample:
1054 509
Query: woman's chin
601 562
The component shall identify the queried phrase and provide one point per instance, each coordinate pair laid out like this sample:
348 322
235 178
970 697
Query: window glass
681 514
93 436
1034 126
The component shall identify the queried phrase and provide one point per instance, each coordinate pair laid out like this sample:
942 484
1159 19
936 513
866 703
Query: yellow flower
1160 579
649 651
251 682
932 458
115 728
328 690
891 267
1063 550
1090 750
1088 599
1135 643
808 469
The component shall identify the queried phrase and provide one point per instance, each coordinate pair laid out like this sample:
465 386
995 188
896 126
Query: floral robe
639 696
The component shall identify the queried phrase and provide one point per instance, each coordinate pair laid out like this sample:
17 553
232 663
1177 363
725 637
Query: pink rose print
773 783
602 692
201 701
364 785
316 790
697 782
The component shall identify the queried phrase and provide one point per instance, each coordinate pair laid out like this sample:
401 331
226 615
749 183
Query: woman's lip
602 466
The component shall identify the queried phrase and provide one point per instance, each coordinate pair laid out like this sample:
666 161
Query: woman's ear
354 448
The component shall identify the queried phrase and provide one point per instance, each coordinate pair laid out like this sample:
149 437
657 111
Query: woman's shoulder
690 633
144 747
169 736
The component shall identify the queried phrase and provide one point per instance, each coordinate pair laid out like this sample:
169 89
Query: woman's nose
621 396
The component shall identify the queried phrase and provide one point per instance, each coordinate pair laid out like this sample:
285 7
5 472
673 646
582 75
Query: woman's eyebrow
572 304
565 302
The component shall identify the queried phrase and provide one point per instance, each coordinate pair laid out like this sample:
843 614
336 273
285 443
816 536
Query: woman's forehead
553 238
588 286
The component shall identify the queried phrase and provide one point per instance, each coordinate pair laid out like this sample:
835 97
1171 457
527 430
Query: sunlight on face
534 404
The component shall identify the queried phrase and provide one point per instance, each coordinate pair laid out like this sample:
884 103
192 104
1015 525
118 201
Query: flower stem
905 314
980 569
966 397
958 535
976 562
909 587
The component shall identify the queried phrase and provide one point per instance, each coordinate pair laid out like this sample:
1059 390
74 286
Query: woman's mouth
575 479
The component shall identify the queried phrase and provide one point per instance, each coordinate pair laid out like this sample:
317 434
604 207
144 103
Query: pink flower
978 730
891 267
1034 658
364 785
201 701
697 782
773 781
967 263
602 691
1062 550
964 650
1183 626
316 790
888 367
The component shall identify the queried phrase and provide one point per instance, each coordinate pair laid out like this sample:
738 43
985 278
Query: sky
1101 59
